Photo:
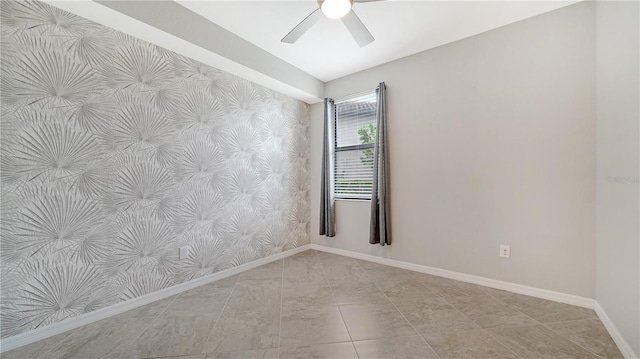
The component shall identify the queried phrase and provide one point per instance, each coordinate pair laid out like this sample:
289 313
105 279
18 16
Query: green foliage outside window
367 135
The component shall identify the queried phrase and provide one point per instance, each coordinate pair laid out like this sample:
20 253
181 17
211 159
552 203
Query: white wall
617 235
492 140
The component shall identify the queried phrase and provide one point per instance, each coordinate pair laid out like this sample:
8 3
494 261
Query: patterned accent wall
116 152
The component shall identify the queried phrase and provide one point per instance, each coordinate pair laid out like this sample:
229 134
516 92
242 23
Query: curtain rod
354 95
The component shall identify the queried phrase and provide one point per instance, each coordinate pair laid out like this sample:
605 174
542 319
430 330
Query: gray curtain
327 193
380 229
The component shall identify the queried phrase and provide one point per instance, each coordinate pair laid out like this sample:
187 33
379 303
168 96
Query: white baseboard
463 277
622 344
35 335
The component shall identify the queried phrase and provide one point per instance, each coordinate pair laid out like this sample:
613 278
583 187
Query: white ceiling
401 28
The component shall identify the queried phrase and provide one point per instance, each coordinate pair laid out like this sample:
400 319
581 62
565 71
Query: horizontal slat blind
355 133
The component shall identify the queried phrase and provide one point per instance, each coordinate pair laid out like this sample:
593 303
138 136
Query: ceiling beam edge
169 25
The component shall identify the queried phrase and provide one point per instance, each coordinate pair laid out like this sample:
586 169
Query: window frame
358 147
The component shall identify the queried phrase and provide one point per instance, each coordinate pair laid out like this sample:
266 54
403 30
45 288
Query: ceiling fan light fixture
335 9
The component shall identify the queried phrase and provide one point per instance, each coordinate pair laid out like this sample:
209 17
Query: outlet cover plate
505 251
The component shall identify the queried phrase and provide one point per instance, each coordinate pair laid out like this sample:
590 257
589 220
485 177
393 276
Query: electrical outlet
183 252
505 251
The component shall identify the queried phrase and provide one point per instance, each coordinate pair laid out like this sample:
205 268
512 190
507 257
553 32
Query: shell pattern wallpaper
116 152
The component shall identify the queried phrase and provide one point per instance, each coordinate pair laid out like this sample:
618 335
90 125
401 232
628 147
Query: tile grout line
57 345
403 316
520 326
507 305
153 320
167 307
336 303
500 342
459 311
597 355
215 325
487 331
281 299
514 308
545 324
530 317
570 320
412 327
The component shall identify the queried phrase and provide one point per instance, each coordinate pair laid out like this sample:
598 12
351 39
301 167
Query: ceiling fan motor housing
335 9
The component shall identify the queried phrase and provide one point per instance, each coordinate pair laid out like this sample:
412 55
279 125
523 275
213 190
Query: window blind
355 135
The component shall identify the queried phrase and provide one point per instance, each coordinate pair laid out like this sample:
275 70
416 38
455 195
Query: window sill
353 200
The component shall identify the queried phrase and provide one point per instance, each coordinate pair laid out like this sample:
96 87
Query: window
355 136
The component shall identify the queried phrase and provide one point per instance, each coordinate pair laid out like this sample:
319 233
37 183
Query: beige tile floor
319 305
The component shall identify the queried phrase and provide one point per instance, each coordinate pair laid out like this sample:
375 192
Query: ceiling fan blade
302 27
357 29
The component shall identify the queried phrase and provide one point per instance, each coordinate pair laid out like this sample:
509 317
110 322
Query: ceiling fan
334 9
